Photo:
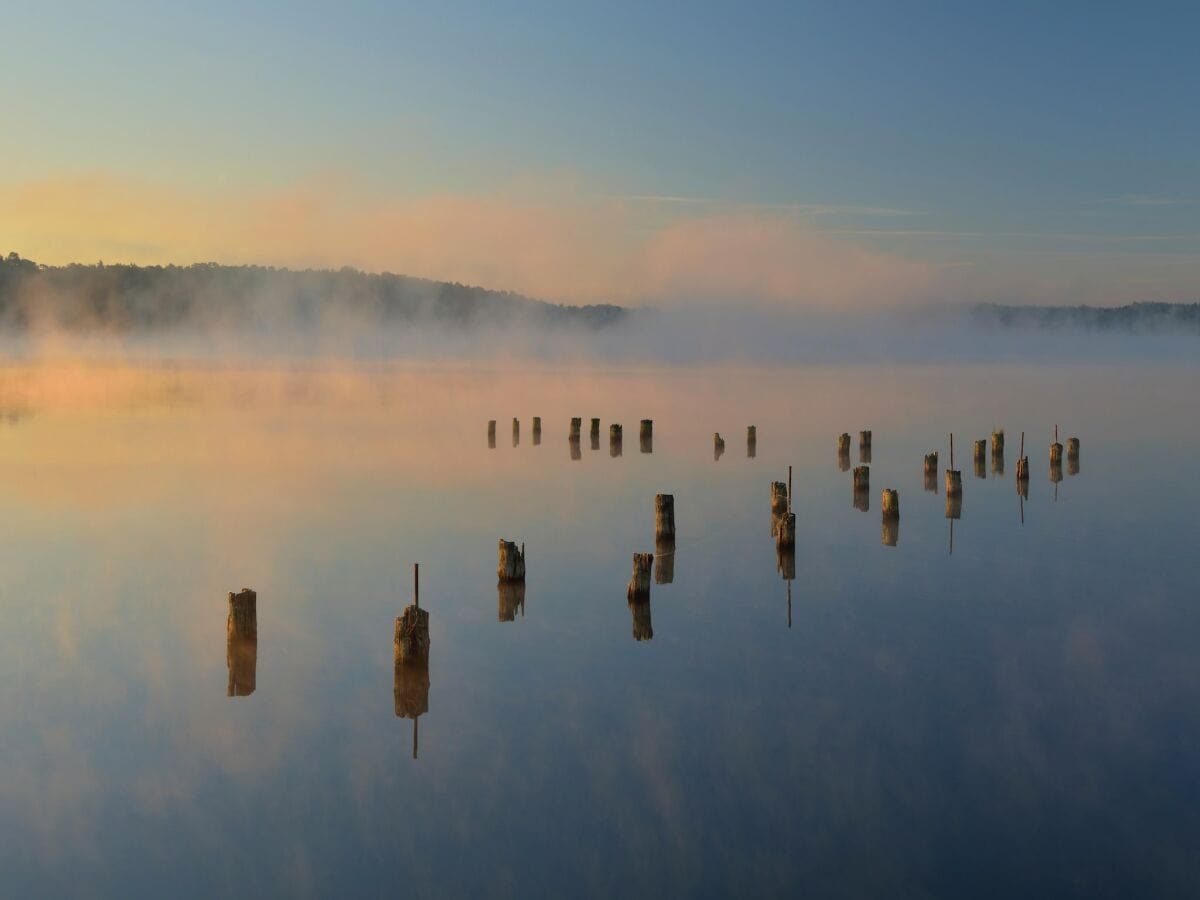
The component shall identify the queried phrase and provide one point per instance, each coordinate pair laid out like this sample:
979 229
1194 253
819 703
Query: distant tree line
124 298
1179 318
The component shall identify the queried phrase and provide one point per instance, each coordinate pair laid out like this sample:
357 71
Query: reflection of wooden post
410 690
785 532
664 561
615 438
516 432
751 441
643 630
639 584
646 436
510 562
785 561
491 434
537 430
573 446
241 642
718 445
664 516
510 597
890 533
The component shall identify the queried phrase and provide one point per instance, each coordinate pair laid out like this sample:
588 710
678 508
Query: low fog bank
210 315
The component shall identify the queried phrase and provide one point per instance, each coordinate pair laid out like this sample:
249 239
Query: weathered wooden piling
411 640
643 628
1056 452
615 439
537 430
890 503
510 598
779 497
639 584
242 623
981 452
594 431
953 475
864 446
718 445
516 431
785 533
1023 466
491 434
998 442
931 463
843 443
664 516
664 560
241 642
646 436
1073 456
862 478
751 441
576 424
510 565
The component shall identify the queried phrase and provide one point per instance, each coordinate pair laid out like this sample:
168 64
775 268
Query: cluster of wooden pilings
616 438
536 430
861 484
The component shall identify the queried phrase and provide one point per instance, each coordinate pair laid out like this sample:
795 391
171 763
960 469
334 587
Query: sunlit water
1018 716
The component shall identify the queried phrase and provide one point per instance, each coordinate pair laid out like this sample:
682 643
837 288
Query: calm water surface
1020 716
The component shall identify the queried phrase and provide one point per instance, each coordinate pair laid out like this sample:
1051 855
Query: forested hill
1175 318
127 298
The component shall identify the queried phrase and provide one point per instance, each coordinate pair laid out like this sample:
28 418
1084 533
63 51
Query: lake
1001 704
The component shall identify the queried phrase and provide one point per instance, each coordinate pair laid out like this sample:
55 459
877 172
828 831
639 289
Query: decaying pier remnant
664 516
718 445
510 565
953 475
576 424
751 441
862 478
1072 456
646 436
491 434
594 434
1023 468
241 642
516 431
537 430
615 439
785 531
843 452
864 446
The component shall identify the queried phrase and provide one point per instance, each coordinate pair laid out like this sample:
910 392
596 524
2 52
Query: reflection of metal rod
1021 499
951 535
416 719
789 488
789 584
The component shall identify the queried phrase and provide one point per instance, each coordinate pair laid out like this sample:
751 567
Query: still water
1019 716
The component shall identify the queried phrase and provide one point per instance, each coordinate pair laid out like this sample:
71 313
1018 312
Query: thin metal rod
417 584
789 488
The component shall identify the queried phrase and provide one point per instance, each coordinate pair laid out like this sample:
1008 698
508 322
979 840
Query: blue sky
1013 138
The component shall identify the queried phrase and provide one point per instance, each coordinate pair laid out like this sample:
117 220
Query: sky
833 155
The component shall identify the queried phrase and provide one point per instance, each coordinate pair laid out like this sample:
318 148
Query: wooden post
718 445
615 439
639 584
998 452
1073 456
537 430
981 459
516 431
953 475
664 516
779 499
862 478
931 463
491 434
864 446
890 502
843 452
751 441
411 641
241 642
576 424
595 432
1023 466
510 564
646 436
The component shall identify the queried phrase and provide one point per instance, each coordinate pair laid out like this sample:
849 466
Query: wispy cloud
1149 200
